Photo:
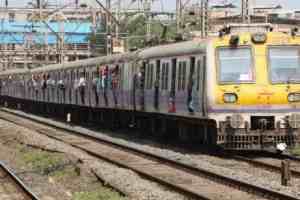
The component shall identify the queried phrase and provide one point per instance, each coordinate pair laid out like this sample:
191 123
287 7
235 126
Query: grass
102 194
41 160
295 151
67 172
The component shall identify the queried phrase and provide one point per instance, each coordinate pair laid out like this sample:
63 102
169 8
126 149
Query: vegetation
41 161
135 29
101 194
296 151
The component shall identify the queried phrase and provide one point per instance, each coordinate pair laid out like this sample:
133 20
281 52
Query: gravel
228 167
126 181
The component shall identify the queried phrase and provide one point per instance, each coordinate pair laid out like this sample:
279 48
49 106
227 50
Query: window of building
11 17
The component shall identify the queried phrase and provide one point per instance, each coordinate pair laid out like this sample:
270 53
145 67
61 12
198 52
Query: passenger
190 103
35 86
52 84
81 87
95 83
115 84
44 86
105 79
62 88
47 86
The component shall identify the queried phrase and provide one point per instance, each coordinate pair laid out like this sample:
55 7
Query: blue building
30 44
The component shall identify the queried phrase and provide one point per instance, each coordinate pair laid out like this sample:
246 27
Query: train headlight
236 121
294 121
294 97
234 40
259 38
230 98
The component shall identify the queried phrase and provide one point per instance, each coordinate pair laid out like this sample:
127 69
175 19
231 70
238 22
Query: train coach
239 90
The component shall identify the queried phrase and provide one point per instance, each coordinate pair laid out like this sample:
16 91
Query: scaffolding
38 33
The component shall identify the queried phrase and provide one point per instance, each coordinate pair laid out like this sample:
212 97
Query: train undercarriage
186 131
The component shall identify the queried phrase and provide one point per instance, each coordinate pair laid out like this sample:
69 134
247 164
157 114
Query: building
227 10
34 37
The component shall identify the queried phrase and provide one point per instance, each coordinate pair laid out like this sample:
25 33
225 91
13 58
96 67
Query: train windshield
235 65
284 64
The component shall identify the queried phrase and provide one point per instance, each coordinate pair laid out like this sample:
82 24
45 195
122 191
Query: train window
149 75
235 65
181 76
199 65
157 75
284 64
165 76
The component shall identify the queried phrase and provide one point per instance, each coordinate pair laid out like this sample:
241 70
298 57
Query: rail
28 194
179 165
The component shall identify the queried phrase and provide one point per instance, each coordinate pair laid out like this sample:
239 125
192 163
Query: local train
239 91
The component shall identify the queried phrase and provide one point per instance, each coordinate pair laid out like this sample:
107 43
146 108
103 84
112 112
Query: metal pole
178 15
109 46
147 10
206 18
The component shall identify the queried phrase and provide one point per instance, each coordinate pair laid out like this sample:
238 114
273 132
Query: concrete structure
33 37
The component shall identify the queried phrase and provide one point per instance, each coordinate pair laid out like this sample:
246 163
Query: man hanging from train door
105 74
95 83
44 86
81 87
115 84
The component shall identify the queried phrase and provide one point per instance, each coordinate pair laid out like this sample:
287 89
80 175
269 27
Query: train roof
170 50
14 72
176 49
117 58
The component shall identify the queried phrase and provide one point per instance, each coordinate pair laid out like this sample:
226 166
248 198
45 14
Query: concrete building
33 37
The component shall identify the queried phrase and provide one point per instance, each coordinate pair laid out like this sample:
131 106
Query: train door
57 88
82 86
115 84
125 84
165 84
54 78
121 85
140 86
149 84
71 86
90 71
56 93
157 75
67 86
181 84
76 88
94 83
201 84
192 94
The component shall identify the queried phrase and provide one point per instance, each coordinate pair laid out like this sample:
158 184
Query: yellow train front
254 90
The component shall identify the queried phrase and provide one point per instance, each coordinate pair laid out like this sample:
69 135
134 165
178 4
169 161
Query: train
238 91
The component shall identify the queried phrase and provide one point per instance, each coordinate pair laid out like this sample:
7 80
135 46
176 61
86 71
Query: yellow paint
262 91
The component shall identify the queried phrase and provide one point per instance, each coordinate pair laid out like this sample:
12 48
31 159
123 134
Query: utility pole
245 11
204 18
109 46
179 16
147 11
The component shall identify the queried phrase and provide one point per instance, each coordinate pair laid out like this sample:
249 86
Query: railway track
269 164
11 187
187 179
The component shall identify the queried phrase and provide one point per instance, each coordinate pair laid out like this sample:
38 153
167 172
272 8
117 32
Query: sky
169 5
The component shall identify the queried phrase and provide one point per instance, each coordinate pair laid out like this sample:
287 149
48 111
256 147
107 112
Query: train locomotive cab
255 95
